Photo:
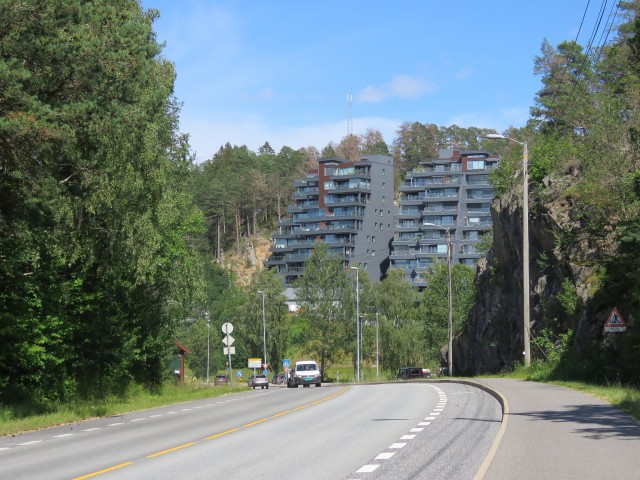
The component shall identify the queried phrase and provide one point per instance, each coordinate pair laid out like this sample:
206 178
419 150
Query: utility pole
357 323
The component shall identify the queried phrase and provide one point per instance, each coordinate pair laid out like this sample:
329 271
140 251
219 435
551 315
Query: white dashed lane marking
139 419
437 410
367 468
385 456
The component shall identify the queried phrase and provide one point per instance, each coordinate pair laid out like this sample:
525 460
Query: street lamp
377 343
264 328
449 298
206 314
357 322
525 243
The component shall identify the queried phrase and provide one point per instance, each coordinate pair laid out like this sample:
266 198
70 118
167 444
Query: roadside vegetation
23 418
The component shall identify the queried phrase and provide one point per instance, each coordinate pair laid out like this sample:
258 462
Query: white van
305 372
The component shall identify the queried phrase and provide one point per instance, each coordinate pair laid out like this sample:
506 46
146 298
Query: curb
504 403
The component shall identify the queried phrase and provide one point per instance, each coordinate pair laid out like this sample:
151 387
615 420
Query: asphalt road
385 431
555 432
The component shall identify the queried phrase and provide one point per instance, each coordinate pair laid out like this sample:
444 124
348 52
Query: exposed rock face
559 250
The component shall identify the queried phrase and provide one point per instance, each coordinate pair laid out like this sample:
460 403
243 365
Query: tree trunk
218 245
238 232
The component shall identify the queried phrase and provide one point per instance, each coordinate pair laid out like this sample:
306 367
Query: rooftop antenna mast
349 121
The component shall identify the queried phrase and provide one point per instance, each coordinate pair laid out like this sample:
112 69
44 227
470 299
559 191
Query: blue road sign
239 374
286 363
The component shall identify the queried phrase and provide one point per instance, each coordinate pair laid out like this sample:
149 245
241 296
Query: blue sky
280 71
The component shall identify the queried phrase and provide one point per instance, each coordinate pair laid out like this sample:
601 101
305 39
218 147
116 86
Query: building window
373 239
384 171
383 200
475 165
383 184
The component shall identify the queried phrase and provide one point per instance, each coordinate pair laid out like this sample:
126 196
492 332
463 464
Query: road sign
227 328
228 340
265 372
239 374
286 363
615 323
229 350
254 363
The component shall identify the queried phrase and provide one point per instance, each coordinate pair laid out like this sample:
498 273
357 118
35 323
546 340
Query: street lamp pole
264 328
526 314
208 342
449 298
450 311
357 322
377 344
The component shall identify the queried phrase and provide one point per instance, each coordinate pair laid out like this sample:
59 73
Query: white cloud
400 86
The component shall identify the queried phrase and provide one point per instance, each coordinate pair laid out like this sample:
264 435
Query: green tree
326 301
435 304
96 254
401 339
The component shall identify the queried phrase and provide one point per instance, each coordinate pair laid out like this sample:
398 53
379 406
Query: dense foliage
95 215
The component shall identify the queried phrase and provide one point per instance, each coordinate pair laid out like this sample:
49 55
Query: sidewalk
554 432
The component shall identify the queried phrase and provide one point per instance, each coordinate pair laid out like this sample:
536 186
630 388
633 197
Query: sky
282 71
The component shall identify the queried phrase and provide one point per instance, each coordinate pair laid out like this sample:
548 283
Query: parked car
407 373
304 373
258 381
220 380
278 378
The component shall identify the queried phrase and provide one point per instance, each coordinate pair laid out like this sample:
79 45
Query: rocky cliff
565 291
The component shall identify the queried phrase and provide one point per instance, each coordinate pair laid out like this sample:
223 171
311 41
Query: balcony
417 213
454 167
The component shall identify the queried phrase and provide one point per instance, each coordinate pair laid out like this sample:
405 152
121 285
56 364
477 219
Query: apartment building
348 205
450 195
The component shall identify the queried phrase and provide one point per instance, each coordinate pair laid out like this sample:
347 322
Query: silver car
258 381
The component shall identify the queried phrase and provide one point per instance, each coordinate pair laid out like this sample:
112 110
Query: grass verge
16 420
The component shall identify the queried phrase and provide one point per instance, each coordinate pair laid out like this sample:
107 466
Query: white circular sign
227 328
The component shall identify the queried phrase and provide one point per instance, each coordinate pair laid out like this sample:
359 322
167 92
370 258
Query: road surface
413 430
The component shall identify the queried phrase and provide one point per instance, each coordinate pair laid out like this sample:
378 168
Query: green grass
15 420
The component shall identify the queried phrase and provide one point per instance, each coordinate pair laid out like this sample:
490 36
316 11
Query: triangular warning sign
615 322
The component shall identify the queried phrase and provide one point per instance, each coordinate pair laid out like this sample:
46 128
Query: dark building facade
448 195
349 206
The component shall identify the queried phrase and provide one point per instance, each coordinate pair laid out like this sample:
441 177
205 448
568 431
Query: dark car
407 373
220 380
278 378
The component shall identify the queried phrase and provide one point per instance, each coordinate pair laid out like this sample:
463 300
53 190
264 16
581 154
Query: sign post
286 364
228 340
